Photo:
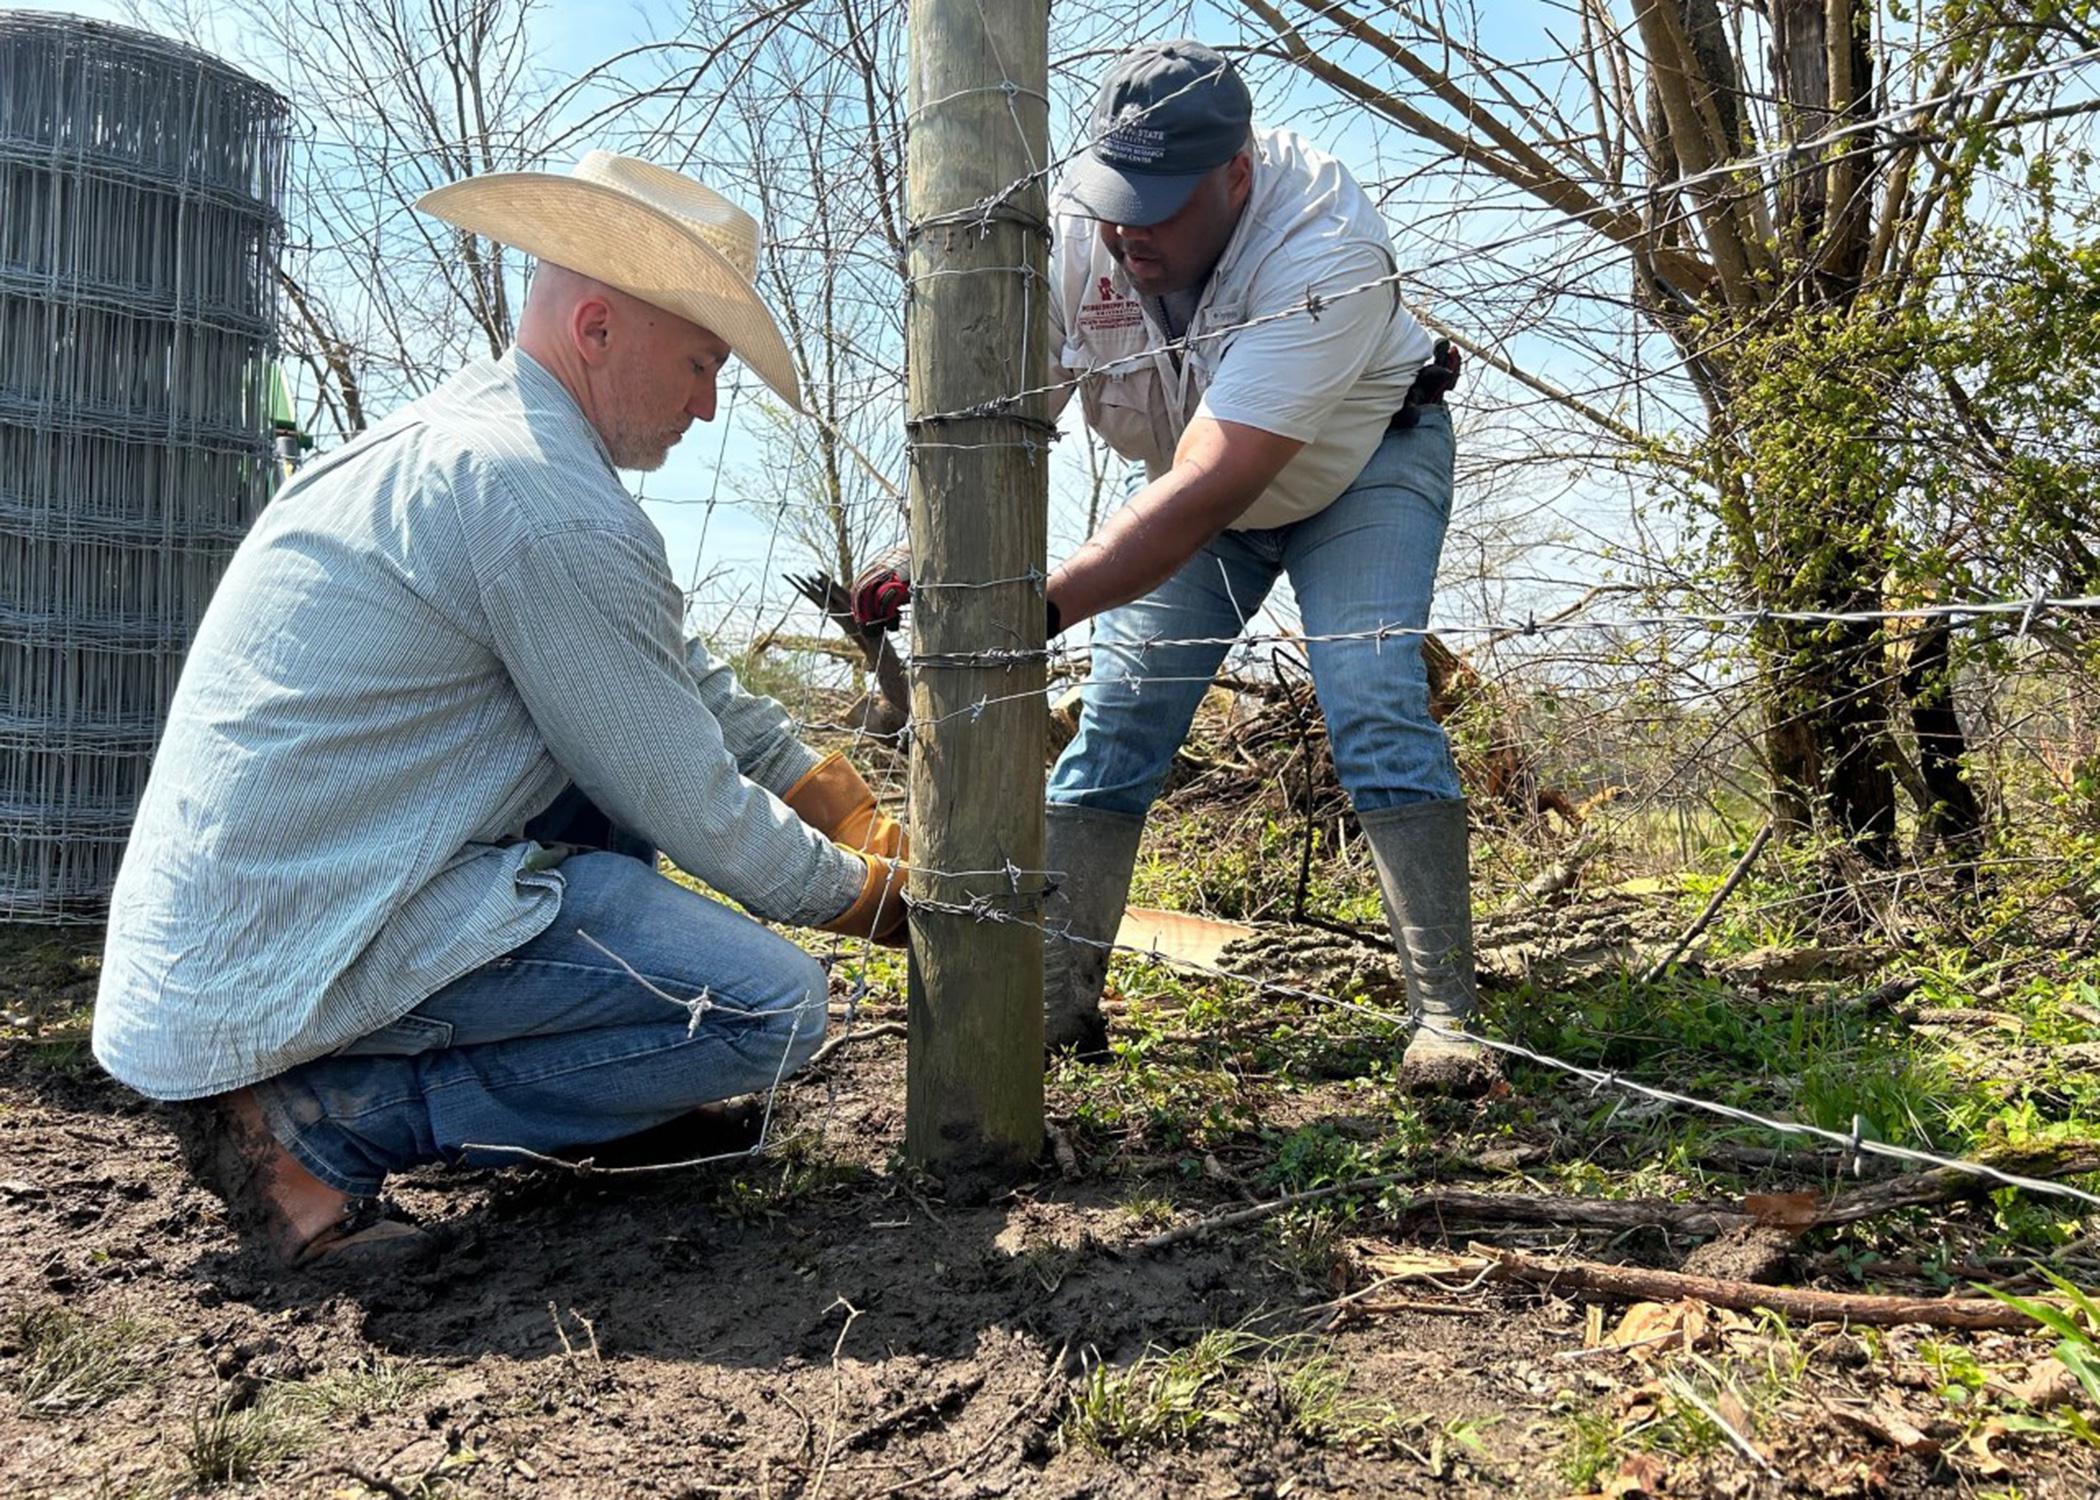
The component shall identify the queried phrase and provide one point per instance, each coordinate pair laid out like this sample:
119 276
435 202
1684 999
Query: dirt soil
822 1323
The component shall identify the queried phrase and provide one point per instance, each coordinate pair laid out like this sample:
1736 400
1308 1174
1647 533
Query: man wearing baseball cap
1225 302
355 929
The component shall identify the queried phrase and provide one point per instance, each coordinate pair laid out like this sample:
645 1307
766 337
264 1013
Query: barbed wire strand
1854 1141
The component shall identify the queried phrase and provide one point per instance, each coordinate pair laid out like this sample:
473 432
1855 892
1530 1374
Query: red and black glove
881 592
884 588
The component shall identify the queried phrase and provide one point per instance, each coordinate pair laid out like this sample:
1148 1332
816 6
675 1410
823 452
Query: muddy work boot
1420 851
272 1200
1090 854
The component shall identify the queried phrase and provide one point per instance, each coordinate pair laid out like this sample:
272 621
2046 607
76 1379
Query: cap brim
1094 190
612 237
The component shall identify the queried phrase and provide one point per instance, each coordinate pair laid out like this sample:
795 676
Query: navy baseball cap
1169 114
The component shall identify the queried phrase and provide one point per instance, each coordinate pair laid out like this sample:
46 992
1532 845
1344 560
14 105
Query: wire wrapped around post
976 326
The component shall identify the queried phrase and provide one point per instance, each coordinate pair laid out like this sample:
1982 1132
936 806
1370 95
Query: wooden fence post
975 323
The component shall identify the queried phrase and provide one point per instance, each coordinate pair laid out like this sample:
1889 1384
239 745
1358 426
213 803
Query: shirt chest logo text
1107 308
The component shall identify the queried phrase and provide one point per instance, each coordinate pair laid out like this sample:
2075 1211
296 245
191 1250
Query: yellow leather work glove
832 798
878 912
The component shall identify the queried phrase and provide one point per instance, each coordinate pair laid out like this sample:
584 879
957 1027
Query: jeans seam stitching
681 1039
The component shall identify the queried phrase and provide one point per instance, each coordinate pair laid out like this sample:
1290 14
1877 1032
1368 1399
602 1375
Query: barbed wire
697 1008
1856 1141
1313 303
2026 611
997 907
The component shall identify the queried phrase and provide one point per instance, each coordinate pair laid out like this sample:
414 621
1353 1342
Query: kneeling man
344 931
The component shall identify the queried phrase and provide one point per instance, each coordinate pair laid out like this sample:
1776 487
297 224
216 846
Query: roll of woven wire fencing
141 184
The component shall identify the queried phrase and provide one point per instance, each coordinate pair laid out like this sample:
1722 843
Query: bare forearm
1220 469
1138 548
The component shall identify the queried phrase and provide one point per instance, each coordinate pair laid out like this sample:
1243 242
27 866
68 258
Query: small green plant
1148 1210
68 1361
1306 1242
773 1184
1166 1396
1319 1407
2076 1346
1586 1450
231 1441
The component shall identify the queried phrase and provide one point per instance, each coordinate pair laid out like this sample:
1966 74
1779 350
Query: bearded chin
642 455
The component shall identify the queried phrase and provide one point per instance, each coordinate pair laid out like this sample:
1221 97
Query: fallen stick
1061 1149
1824 1161
1379 1308
1941 1015
1636 1284
1561 876
1713 907
1713 1415
1881 999
935 1405
1267 1208
1050 1380
1568 1211
880 1028
1944 1184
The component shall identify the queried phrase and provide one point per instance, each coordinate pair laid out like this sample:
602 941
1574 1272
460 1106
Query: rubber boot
1420 851
1090 854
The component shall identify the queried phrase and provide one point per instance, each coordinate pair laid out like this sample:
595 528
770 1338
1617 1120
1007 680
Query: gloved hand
878 912
832 798
881 590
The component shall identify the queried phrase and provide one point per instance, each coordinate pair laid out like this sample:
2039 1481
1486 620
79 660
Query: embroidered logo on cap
1132 142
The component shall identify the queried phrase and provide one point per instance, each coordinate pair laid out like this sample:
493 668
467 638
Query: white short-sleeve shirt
1331 379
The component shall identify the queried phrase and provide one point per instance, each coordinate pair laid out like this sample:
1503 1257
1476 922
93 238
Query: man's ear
1239 177
590 326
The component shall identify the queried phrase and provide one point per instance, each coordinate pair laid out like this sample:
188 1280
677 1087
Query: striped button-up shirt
427 634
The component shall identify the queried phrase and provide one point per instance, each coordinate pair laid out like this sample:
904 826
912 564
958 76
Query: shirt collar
546 392
1236 246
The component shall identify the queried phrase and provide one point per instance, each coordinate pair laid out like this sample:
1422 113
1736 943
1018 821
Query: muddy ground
822 1322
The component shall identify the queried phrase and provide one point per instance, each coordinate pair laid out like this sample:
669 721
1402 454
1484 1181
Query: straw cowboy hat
645 229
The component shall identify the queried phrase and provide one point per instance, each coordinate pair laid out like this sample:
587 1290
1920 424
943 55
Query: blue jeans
1367 560
555 1045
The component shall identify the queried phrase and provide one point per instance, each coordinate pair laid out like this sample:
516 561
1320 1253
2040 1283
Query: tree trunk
1825 72
1826 730
1819 63
1854 730
1793 754
1953 813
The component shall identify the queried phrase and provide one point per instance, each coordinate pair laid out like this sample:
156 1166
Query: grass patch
368 1388
1164 1103
791 1172
229 1441
1246 870
1226 1378
68 1361
1147 1210
1590 1438
67 1053
242 1436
